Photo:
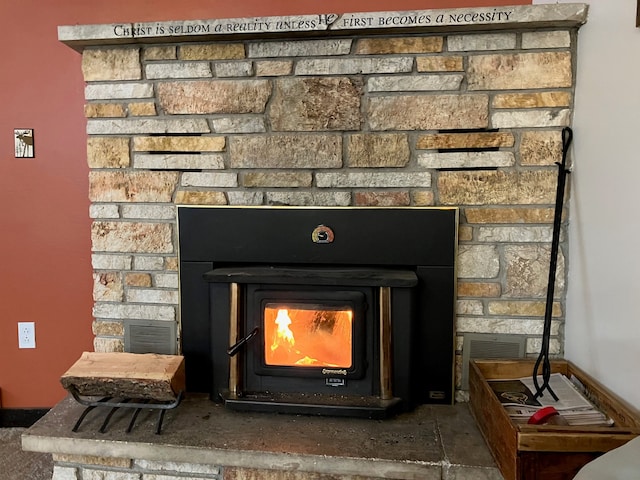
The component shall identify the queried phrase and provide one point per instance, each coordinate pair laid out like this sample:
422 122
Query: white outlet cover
26 335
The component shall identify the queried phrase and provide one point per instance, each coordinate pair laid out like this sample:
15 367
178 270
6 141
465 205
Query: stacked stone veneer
470 119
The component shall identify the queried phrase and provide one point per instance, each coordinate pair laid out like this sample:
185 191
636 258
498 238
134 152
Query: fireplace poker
543 358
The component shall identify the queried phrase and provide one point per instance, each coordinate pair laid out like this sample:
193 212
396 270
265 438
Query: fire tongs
543 358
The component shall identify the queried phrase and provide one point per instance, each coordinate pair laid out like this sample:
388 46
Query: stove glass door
308 335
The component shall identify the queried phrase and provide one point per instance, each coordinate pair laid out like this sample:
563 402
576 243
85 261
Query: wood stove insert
338 311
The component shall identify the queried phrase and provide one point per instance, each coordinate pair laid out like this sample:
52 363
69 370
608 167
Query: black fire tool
543 358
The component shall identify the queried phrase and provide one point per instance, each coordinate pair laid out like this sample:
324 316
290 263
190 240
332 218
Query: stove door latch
234 349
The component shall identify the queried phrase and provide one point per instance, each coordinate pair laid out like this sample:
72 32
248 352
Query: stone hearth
203 440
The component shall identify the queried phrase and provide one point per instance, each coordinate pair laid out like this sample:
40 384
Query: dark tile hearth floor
441 441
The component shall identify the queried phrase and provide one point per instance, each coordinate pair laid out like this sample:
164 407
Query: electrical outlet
26 335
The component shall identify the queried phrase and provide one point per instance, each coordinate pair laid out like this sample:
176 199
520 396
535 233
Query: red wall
45 266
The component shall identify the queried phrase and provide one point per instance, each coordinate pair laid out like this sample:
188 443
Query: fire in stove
308 336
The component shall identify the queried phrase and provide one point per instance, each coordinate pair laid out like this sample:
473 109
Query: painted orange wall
45 267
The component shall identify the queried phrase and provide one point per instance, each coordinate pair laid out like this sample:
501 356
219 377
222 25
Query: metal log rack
136 404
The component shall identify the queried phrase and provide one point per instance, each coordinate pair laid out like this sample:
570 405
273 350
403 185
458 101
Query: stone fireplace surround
458 107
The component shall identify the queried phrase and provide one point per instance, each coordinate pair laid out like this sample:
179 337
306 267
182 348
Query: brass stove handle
233 350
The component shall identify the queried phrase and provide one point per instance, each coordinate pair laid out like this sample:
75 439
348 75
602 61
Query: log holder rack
137 404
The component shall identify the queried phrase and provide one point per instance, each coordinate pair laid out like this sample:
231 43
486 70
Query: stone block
142 109
149 212
214 96
166 280
478 261
546 39
91 460
212 51
140 312
414 83
531 118
286 151
170 265
168 52
209 179
116 91
509 215
466 160
478 289
527 271
107 345
108 152
528 187
398 45
147 125
481 41
469 307
273 68
541 148
111 64
104 211
517 326
121 186
378 150
353 66
148 262
233 69
372 179
92 474
131 237
240 124
103 328
104 110
534 345
64 473
179 144
111 262
458 141
522 308
149 295
189 197
160 71
108 287
245 198
315 104
137 279
519 71
422 198
300 48
194 468
428 112
452 63
515 234
276 179
298 198
177 161
382 199
532 100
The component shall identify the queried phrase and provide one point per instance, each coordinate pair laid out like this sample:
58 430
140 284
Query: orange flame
284 335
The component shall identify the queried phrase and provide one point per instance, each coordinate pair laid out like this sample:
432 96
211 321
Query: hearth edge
52 434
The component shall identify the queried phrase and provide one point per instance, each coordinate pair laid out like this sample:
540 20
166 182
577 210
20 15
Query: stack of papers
520 403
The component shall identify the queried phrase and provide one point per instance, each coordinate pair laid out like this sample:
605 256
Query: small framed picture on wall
23 141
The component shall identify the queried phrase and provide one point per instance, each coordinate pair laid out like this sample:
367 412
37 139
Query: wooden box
528 452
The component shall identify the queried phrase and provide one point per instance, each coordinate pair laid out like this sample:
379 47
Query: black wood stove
337 311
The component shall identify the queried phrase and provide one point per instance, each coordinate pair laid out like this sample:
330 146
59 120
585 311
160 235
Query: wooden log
147 376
